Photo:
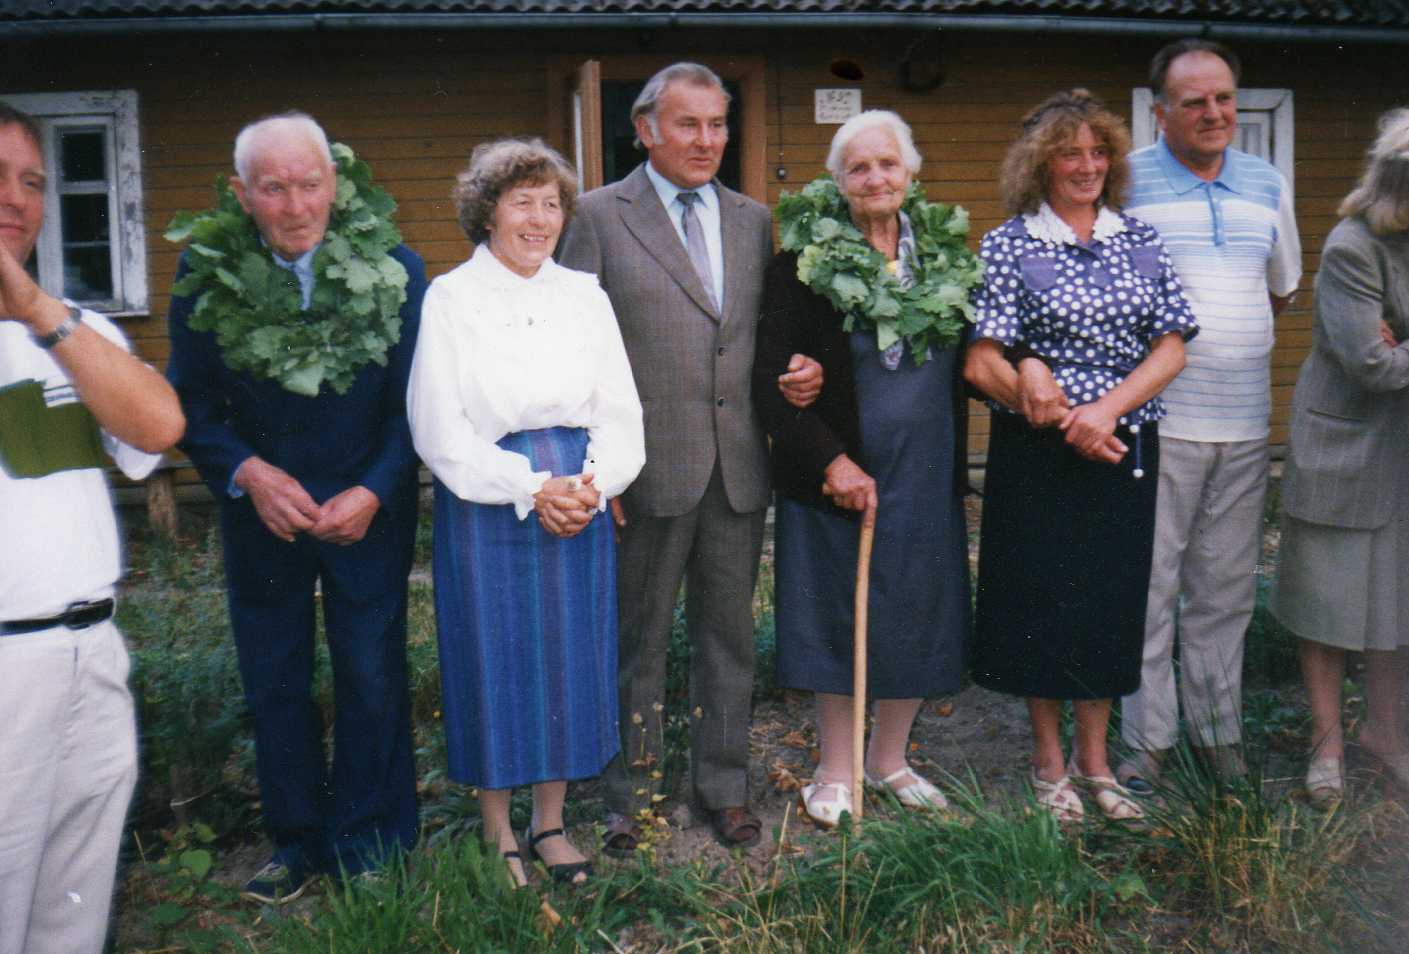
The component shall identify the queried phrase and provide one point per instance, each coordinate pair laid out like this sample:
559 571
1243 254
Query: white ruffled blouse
499 353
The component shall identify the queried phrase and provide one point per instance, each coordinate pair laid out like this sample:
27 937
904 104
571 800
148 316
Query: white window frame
116 112
1144 130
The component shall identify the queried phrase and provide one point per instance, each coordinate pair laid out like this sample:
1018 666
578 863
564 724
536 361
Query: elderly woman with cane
522 402
885 438
1081 323
1344 578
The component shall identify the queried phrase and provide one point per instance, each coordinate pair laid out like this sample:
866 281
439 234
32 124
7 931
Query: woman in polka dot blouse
1080 323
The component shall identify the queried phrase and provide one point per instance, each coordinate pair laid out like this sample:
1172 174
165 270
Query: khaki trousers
1208 544
68 763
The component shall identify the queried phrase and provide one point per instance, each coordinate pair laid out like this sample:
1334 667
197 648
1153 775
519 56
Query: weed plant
984 878
1265 871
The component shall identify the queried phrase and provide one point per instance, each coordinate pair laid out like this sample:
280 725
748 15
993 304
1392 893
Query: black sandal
563 873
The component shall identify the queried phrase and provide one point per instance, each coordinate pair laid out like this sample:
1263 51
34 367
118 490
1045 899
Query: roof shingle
1363 13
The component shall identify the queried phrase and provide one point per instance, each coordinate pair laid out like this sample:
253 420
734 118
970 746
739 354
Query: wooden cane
858 662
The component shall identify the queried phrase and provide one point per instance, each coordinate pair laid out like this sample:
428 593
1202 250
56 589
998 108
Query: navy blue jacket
328 443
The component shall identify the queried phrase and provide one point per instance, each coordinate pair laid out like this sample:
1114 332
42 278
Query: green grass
1224 866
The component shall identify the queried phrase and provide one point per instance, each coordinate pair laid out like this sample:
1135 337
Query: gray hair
865 122
695 74
1382 195
498 166
252 138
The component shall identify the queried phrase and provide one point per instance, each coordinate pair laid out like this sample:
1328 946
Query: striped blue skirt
527 625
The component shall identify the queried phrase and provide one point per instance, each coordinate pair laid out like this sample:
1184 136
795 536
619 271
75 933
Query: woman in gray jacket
1344 581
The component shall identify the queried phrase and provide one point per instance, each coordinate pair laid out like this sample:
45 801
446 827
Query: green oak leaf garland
254 306
836 262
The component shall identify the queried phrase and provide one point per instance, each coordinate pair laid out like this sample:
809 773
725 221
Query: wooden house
141 100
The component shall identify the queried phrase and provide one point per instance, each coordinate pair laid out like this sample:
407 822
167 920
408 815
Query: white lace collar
1048 226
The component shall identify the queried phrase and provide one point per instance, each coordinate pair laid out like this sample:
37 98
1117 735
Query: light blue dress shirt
706 210
302 267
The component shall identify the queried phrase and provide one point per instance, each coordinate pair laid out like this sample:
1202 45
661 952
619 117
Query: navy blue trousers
365 808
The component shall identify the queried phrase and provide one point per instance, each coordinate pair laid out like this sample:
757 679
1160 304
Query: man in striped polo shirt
1227 219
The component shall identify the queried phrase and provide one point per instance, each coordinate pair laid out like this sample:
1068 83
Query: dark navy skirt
918 611
1064 565
527 625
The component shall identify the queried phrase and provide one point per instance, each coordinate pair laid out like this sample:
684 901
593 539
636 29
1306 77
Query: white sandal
920 793
1058 797
1324 782
1113 798
826 814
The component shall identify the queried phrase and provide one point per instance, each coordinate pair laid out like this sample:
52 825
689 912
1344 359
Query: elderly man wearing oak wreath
682 259
316 481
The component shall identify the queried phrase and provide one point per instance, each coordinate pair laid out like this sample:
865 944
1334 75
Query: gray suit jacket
1348 465
691 364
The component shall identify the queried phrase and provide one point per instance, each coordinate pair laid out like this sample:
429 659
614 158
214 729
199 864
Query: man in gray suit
682 259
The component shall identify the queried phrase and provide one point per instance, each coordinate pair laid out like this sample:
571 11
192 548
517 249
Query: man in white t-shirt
71 396
1227 219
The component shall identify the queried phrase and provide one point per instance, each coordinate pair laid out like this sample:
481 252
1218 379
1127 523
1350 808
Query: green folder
37 440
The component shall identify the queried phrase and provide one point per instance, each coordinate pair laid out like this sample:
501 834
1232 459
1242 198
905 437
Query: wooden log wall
415 103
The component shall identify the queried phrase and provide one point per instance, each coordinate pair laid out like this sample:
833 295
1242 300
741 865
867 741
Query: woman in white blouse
522 402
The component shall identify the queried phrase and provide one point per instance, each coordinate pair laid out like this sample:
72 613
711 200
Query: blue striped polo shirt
1233 240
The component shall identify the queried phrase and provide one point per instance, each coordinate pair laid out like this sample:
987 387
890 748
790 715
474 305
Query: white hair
647 101
865 122
294 125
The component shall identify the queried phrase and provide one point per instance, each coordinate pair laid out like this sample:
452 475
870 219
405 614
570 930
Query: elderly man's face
289 194
21 191
1200 110
691 130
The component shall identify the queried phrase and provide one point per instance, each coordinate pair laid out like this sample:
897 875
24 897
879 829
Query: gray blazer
691 364
1349 457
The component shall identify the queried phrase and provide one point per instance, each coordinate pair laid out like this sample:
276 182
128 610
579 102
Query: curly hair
1026 171
498 166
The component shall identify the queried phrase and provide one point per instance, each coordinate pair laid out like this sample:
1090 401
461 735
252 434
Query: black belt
77 616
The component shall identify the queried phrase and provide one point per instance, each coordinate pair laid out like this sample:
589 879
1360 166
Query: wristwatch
68 326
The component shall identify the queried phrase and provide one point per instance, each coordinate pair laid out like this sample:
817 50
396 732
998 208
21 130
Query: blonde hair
1026 170
1382 196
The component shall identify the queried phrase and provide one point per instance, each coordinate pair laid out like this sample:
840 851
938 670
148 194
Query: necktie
695 244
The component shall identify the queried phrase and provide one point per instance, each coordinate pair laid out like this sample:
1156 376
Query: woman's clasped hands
1089 428
566 505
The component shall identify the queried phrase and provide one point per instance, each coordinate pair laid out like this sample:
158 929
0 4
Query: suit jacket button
721 352
719 401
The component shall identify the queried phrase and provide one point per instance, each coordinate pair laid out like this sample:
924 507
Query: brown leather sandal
620 836
736 827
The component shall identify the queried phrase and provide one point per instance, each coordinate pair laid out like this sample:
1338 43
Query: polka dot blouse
1090 311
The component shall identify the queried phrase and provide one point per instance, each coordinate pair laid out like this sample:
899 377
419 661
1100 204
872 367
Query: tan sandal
1058 797
1113 798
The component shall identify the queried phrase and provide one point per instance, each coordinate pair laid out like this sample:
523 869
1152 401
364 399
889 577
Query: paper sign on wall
835 105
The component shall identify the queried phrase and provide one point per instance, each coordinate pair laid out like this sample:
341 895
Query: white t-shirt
58 534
